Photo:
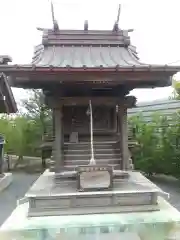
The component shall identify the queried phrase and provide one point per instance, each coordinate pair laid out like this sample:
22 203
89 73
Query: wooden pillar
1 159
57 146
123 133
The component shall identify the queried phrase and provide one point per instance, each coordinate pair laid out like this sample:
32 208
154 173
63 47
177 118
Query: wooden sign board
74 137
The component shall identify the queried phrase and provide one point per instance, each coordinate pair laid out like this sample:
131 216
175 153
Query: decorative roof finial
55 23
116 24
5 59
86 25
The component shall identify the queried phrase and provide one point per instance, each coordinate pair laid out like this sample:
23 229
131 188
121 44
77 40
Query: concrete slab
161 225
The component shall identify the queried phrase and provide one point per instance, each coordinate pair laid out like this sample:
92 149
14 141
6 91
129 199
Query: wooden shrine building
73 67
7 101
7 104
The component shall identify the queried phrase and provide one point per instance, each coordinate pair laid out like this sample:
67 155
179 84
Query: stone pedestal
132 194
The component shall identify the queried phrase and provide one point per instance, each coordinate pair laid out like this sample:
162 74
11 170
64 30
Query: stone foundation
49 197
5 181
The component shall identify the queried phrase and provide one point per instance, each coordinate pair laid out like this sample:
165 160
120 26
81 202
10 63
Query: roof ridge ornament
86 25
55 23
116 24
5 59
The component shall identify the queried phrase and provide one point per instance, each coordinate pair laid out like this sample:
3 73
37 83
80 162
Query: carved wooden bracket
55 102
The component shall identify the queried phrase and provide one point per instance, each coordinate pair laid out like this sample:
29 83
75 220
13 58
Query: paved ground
22 182
173 188
8 198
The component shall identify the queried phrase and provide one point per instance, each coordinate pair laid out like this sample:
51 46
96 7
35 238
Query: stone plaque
94 178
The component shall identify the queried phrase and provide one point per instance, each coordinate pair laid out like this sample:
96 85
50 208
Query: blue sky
155 23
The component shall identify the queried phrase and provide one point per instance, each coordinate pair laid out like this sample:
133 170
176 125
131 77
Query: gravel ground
22 182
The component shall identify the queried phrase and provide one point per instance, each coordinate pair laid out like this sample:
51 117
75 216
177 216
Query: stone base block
5 181
49 197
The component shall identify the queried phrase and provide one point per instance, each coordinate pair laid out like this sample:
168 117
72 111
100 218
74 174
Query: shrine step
86 145
88 156
88 142
88 151
105 152
98 162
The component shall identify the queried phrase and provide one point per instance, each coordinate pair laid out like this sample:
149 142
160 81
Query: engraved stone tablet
94 178
99 179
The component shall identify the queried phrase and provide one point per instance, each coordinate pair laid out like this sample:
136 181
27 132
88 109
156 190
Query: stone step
99 145
88 156
98 161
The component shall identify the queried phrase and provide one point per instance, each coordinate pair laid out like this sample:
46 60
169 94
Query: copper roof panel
80 37
85 56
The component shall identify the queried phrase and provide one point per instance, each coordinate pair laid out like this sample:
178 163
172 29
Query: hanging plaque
94 178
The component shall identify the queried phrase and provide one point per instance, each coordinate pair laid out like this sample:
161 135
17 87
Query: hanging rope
92 160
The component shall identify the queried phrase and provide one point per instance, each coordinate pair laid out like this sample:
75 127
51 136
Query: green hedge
159 144
158 150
